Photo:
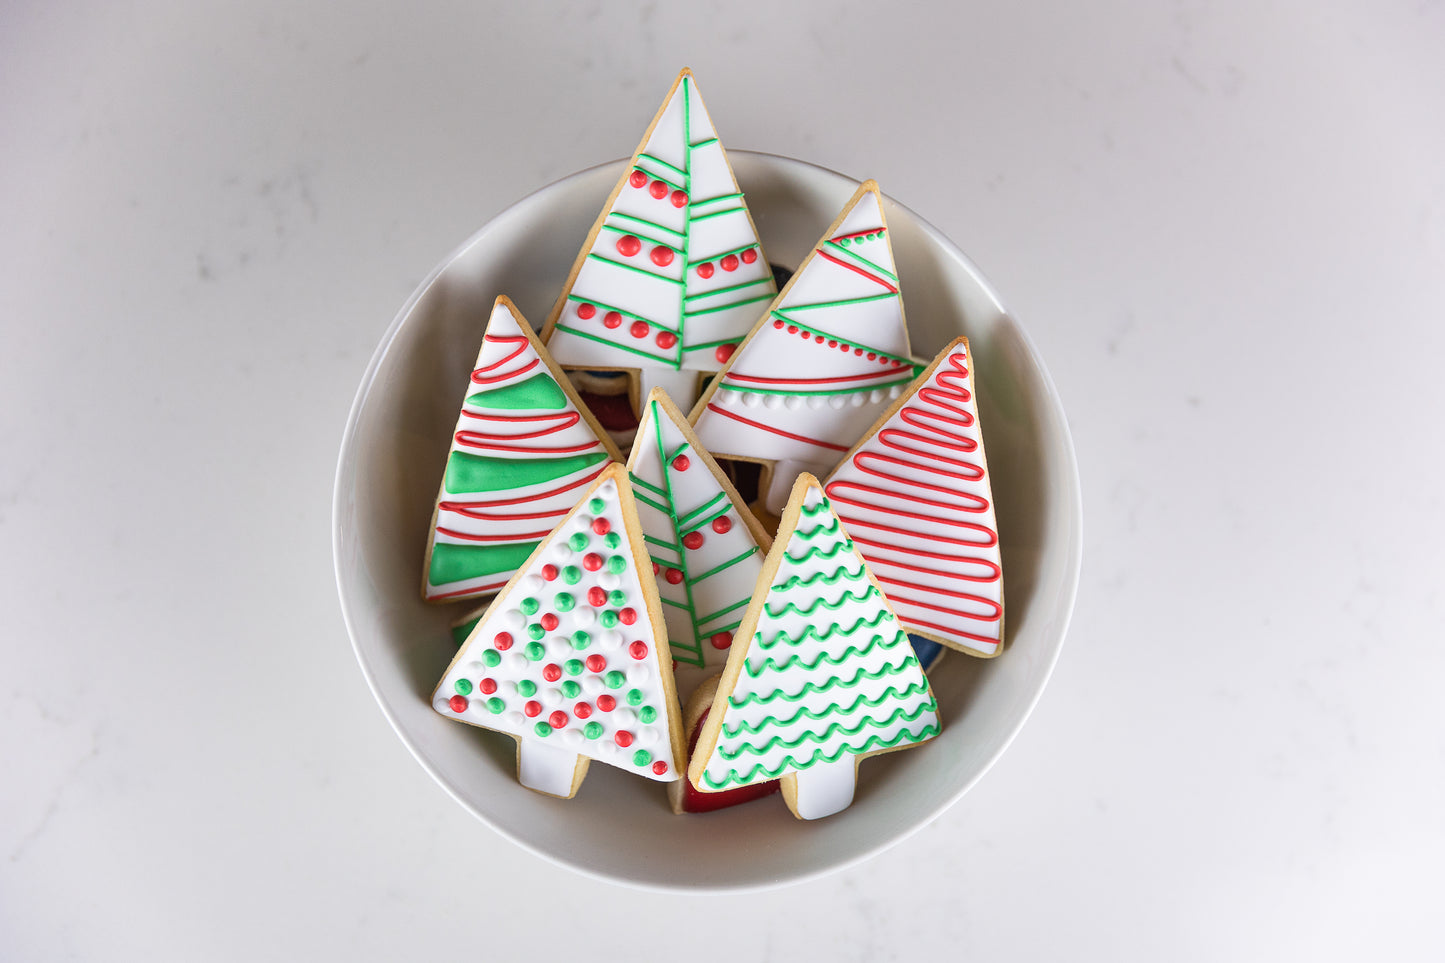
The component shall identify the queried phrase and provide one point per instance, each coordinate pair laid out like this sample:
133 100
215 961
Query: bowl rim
346 460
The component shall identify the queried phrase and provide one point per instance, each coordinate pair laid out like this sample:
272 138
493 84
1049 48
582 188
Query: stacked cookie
644 615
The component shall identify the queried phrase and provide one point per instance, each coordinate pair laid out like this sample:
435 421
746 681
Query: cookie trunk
824 788
548 769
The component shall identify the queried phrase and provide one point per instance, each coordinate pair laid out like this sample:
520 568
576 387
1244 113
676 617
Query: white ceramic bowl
619 827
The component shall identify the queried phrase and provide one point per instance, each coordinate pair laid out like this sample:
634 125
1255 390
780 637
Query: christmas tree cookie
672 276
524 448
707 549
914 494
570 657
820 676
827 358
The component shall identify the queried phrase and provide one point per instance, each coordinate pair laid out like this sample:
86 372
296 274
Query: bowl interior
396 442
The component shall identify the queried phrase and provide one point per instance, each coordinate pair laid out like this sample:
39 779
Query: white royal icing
828 673
915 497
499 440
633 679
711 280
803 389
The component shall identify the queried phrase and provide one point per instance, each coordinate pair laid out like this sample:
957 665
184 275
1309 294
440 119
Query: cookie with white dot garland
672 275
571 656
820 676
826 358
524 448
707 549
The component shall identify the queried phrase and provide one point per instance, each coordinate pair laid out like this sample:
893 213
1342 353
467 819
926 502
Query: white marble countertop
1222 224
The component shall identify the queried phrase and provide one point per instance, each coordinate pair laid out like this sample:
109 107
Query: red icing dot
596 663
857 350
503 641
623 738
582 710
612 320
679 198
884 361
557 719
585 311
628 616
659 768
729 263
601 526
705 270
551 672
724 352
871 356
662 256
549 572
638 179
533 708
638 649
832 343
749 256
682 463
639 329
666 339
674 576
592 561
722 640
844 348
549 621
487 686
656 568
793 329
818 338
692 540
722 524
627 245
606 703
658 189
458 703
597 596
777 323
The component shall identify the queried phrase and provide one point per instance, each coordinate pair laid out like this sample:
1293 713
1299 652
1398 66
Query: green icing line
750 389
633 267
834 682
892 692
714 200
725 307
731 287
838 304
760 772
538 391
811 631
833 729
615 344
815 552
728 564
861 259
454 563
797 659
798 581
658 160
468 473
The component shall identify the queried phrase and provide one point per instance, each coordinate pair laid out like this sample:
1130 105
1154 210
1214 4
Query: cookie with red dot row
571 657
672 274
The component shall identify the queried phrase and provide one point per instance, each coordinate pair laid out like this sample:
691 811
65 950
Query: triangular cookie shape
672 275
821 673
524 448
571 656
707 549
915 496
822 364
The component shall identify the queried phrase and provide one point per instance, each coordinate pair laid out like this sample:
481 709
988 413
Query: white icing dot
895 391
571 737
771 401
531 583
474 668
512 620
647 737
610 639
856 399
515 662
623 717
816 401
559 647
609 581
792 402
583 615
592 684
750 399
875 396
509 689
836 401
550 697
515 719
443 704
580 521
639 675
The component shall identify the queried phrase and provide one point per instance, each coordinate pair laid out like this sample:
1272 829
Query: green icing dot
617 597
496 705
647 714
581 639
573 666
535 651
592 730
564 602
491 657
530 606
527 688
543 729
617 564
578 542
535 632
612 540
571 689
608 619
641 757
615 679
571 575
596 505
464 687
634 697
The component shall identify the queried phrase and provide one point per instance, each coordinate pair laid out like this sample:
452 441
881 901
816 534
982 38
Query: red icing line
483 376
776 431
871 230
733 376
856 269
489 441
516 537
498 503
479 590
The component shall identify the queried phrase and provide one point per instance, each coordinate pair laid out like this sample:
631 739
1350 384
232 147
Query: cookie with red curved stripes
915 495
825 360
524 449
